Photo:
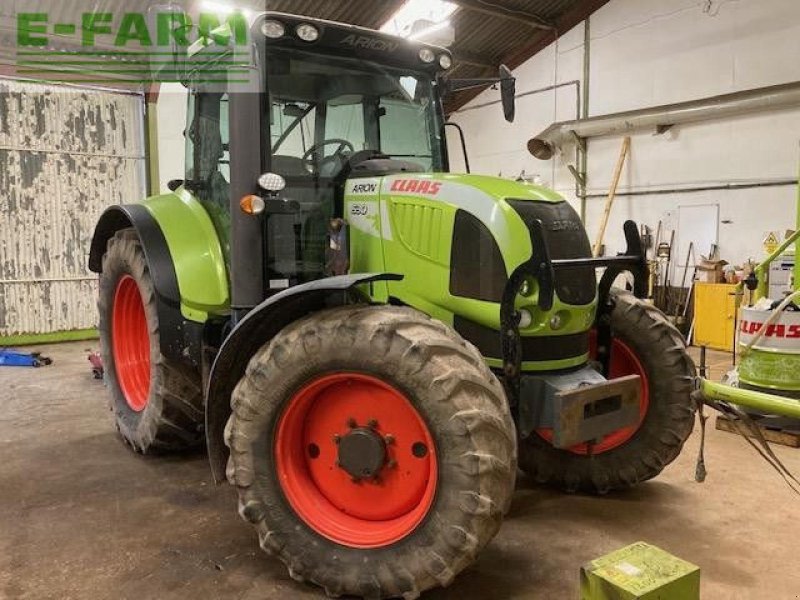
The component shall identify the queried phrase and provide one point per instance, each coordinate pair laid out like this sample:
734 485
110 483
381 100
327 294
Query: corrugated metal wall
65 154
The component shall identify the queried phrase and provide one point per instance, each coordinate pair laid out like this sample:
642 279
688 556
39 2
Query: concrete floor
82 517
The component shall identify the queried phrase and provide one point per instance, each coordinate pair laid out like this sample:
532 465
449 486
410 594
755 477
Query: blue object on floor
22 359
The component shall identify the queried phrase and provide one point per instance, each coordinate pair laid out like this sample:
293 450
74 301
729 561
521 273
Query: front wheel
372 450
644 343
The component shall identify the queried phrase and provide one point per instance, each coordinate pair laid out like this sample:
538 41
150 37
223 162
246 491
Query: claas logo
779 331
416 186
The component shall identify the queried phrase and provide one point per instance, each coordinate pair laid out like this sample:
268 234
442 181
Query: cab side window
208 157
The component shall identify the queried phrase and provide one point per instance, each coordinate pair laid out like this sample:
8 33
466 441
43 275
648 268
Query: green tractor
366 343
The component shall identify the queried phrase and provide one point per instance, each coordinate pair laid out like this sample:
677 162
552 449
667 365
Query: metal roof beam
497 10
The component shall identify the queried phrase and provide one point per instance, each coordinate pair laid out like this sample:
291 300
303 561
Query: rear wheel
644 343
372 450
157 404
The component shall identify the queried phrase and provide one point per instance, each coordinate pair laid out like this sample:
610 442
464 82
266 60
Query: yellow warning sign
771 242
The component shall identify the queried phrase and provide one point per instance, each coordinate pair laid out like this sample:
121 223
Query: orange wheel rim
130 342
355 460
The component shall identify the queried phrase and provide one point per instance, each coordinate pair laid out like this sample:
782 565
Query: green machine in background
767 379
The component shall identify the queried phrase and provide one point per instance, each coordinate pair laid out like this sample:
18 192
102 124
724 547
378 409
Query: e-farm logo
133 47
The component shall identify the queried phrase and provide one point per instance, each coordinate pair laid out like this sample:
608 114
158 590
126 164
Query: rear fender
251 333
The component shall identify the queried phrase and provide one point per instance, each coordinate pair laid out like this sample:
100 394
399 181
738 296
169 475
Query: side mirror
508 91
508 88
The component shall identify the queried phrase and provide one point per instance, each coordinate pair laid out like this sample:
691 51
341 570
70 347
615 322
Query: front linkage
541 268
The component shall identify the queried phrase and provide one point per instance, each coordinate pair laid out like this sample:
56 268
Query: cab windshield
326 113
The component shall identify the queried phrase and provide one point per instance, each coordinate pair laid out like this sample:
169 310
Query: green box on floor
640 572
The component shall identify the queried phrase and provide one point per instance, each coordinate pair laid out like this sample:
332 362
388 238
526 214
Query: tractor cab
319 104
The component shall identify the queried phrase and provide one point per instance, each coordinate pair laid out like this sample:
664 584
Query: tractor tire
157 404
646 344
310 416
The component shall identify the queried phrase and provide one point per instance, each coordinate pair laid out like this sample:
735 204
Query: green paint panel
640 572
196 253
770 369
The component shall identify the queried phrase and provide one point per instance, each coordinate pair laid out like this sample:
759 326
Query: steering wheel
309 156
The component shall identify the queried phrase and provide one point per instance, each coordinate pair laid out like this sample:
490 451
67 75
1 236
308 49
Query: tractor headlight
271 182
273 29
445 61
426 55
307 32
525 318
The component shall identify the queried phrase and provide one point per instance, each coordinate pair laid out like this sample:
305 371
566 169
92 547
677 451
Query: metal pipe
766 403
582 150
796 270
151 145
773 97
703 188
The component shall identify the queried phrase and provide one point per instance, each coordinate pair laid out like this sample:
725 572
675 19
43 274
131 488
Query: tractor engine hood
459 238
489 199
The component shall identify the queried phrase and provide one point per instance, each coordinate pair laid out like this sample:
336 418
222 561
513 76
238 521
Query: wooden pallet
785 437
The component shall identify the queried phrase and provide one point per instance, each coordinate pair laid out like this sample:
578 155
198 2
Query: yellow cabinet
714 312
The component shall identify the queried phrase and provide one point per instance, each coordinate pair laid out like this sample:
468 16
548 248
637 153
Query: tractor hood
457 239
485 197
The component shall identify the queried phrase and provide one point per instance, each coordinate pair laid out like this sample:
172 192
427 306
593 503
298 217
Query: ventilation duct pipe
775 97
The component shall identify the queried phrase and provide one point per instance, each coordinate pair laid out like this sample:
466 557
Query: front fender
182 248
196 252
259 326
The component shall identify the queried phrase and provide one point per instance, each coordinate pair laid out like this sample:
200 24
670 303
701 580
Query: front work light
271 182
307 33
445 61
426 55
273 29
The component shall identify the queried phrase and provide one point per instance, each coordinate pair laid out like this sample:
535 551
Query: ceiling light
222 8
402 22
424 34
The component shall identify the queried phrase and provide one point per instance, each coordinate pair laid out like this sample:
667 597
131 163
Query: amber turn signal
252 204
